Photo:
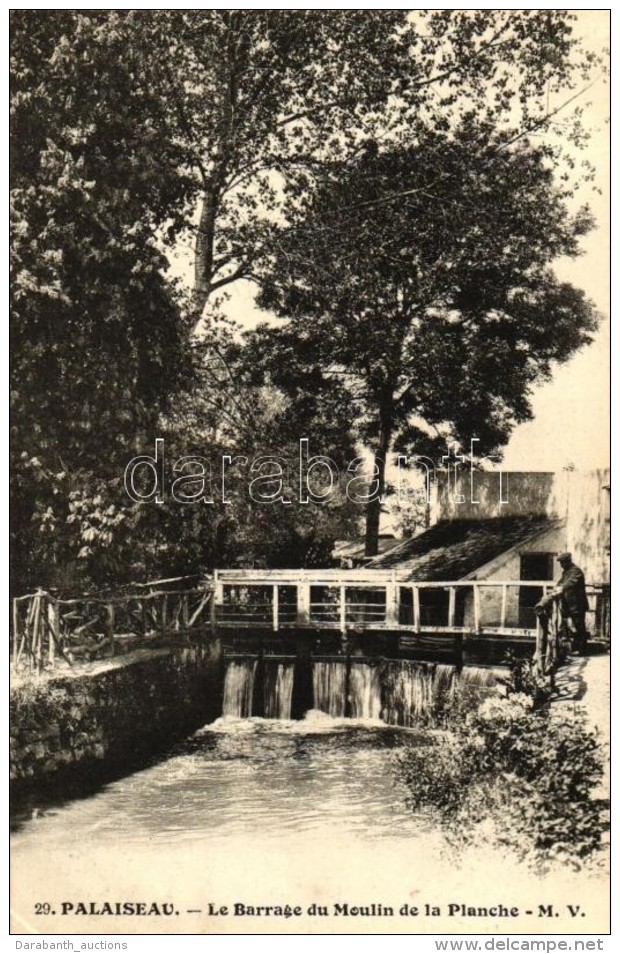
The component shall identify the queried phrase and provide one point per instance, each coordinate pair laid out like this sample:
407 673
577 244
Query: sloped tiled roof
355 549
453 549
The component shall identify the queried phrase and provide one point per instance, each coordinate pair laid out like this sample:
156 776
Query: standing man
571 589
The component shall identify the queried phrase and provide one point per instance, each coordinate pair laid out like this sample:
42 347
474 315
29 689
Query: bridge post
391 605
109 621
217 599
275 606
540 654
477 619
53 627
416 607
452 606
303 604
504 608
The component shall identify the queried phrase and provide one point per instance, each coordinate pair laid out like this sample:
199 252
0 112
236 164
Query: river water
271 777
257 811
252 808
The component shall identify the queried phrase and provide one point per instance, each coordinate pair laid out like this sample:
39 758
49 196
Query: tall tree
276 92
253 98
98 339
134 130
420 279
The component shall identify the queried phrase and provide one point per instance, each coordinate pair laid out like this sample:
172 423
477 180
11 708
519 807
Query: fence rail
46 628
91 627
489 607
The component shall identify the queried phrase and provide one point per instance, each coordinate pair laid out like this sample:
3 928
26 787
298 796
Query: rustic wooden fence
46 628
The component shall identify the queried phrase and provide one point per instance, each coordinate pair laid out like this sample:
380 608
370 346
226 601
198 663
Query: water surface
269 777
260 812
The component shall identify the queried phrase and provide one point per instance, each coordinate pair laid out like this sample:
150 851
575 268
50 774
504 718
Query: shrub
529 773
524 677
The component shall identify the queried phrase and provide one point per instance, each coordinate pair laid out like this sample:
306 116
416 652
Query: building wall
580 498
587 499
484 494
508 567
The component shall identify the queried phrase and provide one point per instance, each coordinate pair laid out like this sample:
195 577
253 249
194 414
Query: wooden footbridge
368 600
272 607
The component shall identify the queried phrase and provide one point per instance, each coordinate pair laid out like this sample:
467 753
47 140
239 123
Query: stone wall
110 717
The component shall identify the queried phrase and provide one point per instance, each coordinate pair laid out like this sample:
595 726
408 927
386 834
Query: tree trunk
373 510
214 184
203 255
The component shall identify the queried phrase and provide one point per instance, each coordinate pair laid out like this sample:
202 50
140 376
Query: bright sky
572 412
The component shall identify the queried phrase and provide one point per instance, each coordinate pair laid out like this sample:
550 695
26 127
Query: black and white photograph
310 494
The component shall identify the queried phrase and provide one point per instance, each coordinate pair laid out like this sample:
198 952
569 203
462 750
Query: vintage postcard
310 473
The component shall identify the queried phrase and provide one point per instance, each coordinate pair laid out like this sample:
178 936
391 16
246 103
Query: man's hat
564 557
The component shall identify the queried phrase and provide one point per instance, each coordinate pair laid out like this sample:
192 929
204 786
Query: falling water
328 680
365 691
408 692
278 689
399 692
480 677
240 682
239 687
444 682
413 691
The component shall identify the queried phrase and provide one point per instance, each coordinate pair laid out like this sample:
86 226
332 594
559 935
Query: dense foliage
523 779
420 277
138 134
98 338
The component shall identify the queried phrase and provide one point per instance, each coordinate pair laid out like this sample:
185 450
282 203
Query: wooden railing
46 628
340 599
328 600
